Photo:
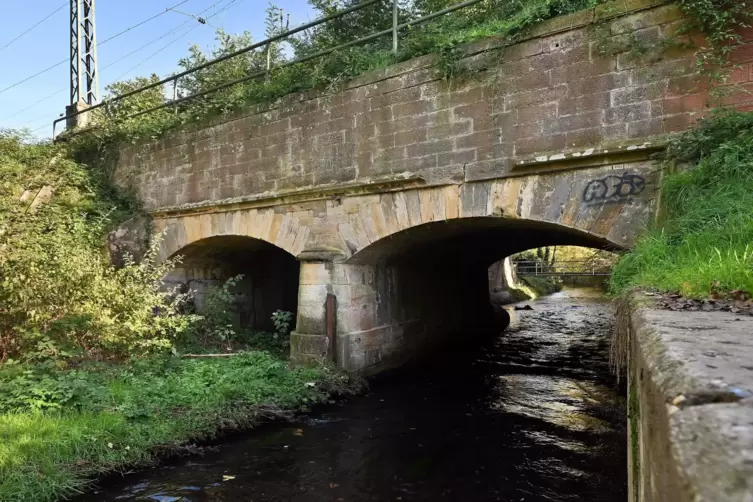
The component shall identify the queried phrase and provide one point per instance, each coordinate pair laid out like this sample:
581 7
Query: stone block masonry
562 90
398 191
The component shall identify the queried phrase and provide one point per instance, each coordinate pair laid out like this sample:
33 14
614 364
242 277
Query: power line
167 9
233 3
33 76
48 16
36 103
16 84
165 35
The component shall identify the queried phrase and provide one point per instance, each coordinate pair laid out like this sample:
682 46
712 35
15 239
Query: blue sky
47 44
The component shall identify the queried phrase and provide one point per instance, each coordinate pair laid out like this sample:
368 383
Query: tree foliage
721 22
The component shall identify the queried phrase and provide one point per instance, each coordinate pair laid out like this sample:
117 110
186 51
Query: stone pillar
343 311
315 328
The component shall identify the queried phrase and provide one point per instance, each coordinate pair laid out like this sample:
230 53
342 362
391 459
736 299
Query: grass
541 286
111 416
703 245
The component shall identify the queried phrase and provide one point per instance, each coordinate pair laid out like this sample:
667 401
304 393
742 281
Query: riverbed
530 415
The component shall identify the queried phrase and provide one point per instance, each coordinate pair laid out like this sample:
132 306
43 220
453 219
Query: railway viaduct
374 211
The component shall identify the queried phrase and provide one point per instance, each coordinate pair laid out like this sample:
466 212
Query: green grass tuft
118 416
704 244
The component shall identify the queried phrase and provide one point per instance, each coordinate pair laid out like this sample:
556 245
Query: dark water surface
532 415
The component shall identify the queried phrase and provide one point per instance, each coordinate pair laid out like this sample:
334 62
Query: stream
531 415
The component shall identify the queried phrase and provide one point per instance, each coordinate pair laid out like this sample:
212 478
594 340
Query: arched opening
269 276
431 284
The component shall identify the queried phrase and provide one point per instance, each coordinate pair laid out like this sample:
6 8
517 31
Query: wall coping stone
333 190
702 365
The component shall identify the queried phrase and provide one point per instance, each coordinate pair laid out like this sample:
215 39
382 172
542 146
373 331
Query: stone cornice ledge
380 184
581 158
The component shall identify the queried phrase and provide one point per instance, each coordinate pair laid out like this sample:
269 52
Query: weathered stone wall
545 142
570 87
690 426
388 314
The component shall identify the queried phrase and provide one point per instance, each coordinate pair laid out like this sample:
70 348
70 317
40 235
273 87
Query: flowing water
532 415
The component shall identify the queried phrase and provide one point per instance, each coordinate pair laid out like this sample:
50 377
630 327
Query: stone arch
257 245
281 229
559 201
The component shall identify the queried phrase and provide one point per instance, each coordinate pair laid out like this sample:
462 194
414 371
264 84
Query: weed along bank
363 197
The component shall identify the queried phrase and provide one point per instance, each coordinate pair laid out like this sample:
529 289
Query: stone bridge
374 211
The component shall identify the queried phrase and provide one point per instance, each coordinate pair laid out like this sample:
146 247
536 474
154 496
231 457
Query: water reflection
530 416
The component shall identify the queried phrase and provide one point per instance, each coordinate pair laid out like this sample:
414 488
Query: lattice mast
84 85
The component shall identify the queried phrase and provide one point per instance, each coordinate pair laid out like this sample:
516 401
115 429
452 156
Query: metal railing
174 79
563 268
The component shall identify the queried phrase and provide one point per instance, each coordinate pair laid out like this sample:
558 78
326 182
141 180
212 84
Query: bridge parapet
567 96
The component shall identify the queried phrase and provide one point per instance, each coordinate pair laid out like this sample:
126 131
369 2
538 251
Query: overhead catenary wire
233 3
48 16
223 9
63 61
36 103
167 9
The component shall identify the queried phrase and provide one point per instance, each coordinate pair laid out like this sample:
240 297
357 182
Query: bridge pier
370 317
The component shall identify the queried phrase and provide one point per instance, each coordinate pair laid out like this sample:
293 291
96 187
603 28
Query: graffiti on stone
613 188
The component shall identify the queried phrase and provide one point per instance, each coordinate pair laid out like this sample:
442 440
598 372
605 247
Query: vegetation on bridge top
441 36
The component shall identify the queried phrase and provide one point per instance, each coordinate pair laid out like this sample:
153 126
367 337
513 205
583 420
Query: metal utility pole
84 85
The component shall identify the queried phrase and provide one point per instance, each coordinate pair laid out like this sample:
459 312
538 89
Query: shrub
59 295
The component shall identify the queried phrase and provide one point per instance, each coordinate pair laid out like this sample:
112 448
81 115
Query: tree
140 102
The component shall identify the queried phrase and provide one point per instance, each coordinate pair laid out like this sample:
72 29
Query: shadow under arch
483 239
269 283
428 286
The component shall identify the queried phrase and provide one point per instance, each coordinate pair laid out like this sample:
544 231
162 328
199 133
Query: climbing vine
721 22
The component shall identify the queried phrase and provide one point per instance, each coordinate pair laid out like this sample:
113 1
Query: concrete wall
690 424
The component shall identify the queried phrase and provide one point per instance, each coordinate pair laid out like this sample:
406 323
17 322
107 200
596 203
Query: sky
36 103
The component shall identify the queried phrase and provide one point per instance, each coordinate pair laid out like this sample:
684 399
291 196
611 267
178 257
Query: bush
219 328
704 243
59 295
